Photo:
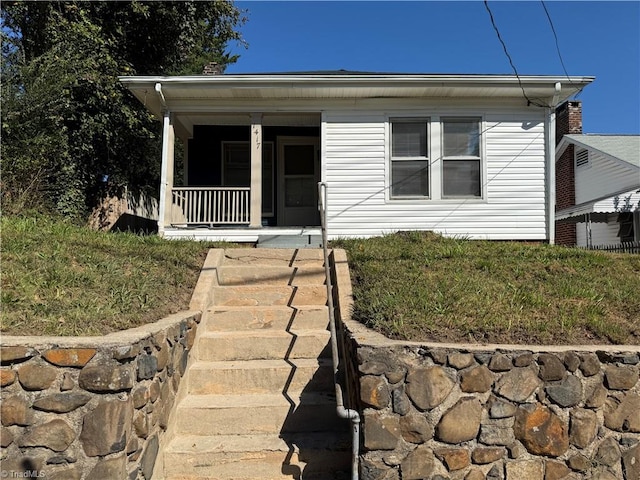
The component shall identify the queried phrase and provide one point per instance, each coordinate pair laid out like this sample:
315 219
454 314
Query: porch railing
210 205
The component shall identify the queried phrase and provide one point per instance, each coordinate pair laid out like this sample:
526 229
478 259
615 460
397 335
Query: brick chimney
568 121
212 68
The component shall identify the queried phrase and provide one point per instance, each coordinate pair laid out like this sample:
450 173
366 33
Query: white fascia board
562 146
569 85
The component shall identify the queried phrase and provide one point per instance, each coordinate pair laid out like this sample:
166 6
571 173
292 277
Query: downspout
166 120
550 148
163 101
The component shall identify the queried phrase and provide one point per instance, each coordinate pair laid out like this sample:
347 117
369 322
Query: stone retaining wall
494 412
91 407
453 413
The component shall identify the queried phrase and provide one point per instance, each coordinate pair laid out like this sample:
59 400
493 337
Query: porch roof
600 208
197 93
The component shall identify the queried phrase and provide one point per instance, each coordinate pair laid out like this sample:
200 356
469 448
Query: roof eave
546 89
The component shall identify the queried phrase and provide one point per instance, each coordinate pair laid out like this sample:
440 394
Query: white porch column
255 212
166 178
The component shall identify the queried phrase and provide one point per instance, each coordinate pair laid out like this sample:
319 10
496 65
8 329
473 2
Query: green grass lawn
420 286
61 279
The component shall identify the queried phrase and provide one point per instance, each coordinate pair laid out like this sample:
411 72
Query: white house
466 155
607 188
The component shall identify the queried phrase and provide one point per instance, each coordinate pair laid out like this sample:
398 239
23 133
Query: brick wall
568 121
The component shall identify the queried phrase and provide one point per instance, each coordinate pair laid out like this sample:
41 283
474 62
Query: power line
506 52
555 36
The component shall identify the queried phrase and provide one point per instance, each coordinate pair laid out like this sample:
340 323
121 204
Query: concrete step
260 376
263 345
271 275
289 241
290 257
309 275
257 414
270 295
258 457
221 318
254 275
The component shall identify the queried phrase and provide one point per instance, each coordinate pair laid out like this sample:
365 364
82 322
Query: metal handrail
342 412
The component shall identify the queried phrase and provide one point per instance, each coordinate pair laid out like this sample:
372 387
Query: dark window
409 158
461 162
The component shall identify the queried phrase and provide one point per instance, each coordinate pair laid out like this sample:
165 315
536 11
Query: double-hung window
409 158
461 158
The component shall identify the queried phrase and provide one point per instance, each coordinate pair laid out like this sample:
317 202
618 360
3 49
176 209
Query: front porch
242 175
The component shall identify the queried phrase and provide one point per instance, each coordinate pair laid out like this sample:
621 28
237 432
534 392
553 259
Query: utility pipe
342 412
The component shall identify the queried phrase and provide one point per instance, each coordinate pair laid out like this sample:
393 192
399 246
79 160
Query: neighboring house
606 188
465 155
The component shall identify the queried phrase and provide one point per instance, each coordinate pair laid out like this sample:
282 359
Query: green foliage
423 287
66 120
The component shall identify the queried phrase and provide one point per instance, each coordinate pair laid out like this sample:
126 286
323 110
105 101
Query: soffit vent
582 157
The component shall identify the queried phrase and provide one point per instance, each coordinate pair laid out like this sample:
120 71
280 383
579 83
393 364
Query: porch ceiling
302 119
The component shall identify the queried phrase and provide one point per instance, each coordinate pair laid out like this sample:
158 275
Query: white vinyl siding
601 233
604 177
356 168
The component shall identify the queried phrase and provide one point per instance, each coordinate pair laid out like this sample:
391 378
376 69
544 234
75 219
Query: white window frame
266 146
435 151
403 119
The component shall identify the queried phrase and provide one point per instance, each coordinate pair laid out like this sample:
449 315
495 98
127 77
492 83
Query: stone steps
263 345
281 295
273 275
281 257
260 399
242 414
236 319
258 457
260 376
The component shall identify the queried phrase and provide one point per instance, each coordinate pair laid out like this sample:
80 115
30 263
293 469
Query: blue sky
600 39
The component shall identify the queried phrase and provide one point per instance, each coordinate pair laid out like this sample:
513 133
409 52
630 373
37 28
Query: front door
299 174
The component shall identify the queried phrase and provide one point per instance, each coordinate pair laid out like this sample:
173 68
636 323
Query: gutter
164 183
365 79
550 153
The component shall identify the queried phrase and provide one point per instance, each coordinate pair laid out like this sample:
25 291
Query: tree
68 124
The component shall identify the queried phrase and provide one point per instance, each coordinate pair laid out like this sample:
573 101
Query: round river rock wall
91 407
488 412
451 413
